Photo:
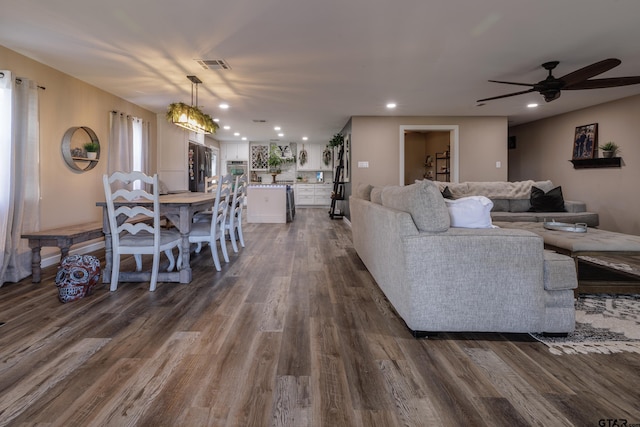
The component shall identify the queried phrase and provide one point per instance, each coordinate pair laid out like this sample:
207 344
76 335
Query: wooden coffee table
597 247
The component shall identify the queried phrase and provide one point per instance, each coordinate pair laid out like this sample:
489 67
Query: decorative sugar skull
77 276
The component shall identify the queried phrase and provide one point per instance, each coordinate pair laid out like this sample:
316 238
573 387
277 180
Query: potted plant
274 161
609 149
337 140
92 149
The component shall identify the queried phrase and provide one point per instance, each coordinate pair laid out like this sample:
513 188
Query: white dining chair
140 237
233 222
212 232
210 186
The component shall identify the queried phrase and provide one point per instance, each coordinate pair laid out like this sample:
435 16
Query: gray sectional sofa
440 278
512 201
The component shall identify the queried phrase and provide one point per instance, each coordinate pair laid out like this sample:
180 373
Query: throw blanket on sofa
494 190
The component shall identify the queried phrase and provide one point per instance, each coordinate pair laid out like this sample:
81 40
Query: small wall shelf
77 136
611 162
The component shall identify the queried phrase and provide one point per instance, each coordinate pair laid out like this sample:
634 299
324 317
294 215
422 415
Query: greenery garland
177 109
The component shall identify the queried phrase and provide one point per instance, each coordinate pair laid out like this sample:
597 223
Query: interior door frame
453 146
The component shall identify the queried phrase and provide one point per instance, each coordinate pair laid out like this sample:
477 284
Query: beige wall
68 196
544 148
482 142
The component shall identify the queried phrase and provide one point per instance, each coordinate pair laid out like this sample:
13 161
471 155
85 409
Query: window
136 147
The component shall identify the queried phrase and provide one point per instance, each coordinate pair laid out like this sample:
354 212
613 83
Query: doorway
428 152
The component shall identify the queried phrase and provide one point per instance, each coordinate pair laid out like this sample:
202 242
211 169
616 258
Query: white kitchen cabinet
322 194
313 194
234 151
314 158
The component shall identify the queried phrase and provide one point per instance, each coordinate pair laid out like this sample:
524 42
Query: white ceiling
308 65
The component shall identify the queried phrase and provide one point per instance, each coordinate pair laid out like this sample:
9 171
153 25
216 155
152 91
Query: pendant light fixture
190 117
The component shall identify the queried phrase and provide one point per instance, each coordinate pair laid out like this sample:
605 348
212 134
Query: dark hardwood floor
292 332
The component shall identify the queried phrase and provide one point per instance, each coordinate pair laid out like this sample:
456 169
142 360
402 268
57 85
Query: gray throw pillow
363 191
423 201
376 195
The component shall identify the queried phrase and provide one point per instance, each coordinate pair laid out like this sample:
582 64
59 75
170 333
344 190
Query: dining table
179 209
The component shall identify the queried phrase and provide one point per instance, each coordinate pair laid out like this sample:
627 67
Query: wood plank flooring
292 332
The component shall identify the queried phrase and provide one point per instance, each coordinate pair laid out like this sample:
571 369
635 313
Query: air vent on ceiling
259 121
213 64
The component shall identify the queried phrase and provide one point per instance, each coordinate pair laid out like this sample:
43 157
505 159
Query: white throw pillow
470 212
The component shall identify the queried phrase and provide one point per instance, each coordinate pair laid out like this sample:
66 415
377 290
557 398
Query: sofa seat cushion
559 272
470 212
514 216
423 201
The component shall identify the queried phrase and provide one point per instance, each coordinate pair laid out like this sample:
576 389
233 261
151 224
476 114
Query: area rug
605 324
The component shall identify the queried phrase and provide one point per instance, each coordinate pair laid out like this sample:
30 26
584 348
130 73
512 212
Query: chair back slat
221 204
119 216
210 184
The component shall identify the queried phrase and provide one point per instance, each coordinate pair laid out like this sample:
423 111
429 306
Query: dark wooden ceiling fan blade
507 95
604 83
589 71
512 83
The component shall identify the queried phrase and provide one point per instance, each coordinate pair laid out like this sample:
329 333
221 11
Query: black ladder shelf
338 187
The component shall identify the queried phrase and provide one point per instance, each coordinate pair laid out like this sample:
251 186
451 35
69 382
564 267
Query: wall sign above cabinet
80 148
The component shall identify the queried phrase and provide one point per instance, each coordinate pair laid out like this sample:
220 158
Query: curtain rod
19 80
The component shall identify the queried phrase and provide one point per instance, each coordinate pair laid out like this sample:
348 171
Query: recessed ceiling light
532 105
276 128
216 120
226 127
304 138
281 135
236 134
244 138
224 106
391 105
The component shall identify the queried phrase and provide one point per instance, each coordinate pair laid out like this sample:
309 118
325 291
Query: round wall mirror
81 148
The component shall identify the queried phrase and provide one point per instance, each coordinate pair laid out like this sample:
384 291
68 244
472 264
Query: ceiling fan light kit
190 117
551 87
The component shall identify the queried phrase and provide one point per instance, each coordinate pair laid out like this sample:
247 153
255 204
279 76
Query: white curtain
120 143
19 175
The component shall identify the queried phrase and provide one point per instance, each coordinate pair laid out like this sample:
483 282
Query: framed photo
347 158
585 142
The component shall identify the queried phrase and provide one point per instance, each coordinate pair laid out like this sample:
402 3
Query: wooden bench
62 237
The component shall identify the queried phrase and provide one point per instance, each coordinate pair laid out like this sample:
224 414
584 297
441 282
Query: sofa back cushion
519 205
423 201
500 205
363 191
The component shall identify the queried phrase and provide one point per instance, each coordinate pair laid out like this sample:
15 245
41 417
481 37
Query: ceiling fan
550 87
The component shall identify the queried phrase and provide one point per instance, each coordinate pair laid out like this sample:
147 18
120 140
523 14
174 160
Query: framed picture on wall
585 142
347 158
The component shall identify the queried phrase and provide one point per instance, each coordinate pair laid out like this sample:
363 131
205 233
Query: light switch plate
363 164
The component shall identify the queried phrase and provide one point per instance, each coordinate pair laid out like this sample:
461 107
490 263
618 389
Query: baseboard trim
81 250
